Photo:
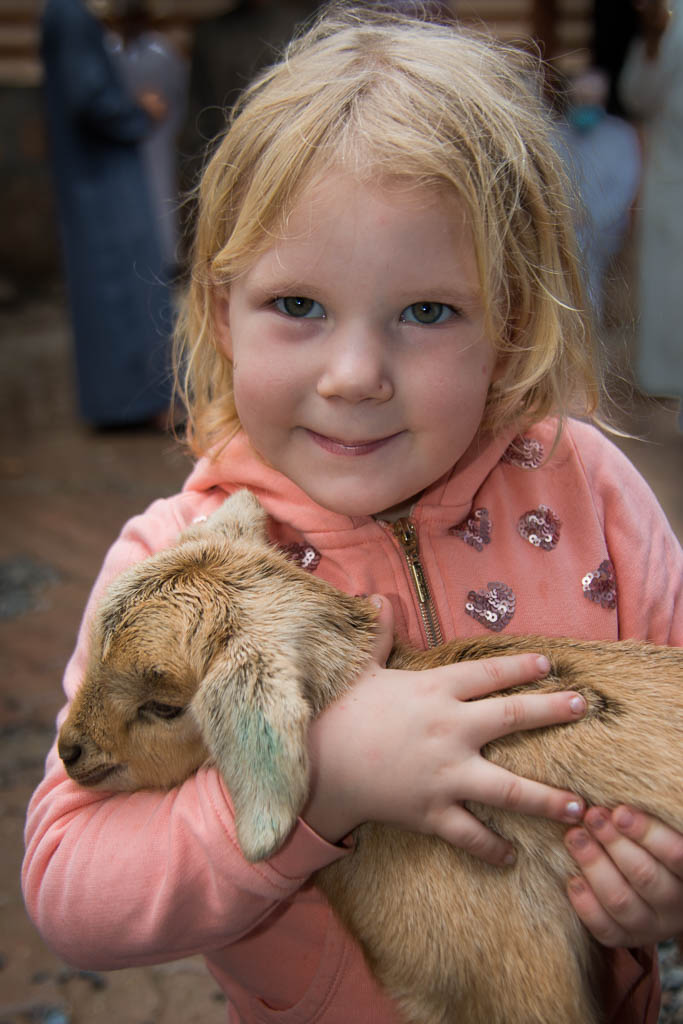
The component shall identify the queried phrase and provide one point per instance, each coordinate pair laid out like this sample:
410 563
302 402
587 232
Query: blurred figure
118 293
153 69
604 160
651 87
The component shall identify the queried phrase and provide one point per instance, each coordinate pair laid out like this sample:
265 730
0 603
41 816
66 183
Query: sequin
493 607
475 530
303 555
601 586
541 527
524 452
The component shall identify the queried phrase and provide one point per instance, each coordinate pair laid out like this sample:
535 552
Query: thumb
384 639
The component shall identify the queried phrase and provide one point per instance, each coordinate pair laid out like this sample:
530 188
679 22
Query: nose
69 752
356 366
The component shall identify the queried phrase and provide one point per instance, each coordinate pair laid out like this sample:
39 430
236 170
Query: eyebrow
273 279
440 290
276 280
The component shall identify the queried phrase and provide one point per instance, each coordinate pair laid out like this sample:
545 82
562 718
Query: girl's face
361 363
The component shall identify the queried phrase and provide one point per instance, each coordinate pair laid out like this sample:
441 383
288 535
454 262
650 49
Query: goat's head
218 647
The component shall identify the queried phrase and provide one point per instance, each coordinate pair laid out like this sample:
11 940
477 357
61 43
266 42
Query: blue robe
118 294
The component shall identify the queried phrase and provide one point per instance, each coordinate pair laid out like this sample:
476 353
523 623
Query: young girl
383 340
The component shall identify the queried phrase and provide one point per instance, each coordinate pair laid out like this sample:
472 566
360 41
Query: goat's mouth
95 776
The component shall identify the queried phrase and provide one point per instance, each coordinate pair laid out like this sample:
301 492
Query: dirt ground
64 493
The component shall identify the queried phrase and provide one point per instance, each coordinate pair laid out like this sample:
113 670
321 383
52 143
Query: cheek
462 384
265 388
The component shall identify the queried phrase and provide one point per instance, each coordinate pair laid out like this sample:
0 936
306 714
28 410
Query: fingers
498 787
594 916
460 828
482 677
631 888
608 906
384 639
664 843
505 715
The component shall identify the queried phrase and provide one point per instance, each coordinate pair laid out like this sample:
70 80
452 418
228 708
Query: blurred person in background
117 287
151 65
651 88
604 161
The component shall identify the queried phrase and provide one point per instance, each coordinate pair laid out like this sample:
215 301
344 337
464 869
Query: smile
337 447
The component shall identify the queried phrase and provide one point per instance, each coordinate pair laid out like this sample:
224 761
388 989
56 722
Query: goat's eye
159 710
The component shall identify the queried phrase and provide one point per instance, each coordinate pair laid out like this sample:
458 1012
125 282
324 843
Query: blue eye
299 307
427 313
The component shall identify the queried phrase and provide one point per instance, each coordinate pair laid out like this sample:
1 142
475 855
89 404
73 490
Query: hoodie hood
238 465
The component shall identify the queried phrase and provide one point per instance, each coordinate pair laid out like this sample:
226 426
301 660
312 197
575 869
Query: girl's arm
117 880
128 879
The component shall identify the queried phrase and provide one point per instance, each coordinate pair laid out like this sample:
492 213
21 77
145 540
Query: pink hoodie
576 545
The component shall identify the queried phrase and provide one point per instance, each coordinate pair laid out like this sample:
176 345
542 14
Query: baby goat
222 647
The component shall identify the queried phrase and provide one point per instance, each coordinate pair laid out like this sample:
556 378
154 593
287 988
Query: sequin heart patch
601 586
524 452
303 555
493 607
541 527
476 530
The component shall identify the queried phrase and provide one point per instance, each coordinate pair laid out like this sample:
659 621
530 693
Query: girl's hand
405 748
630 892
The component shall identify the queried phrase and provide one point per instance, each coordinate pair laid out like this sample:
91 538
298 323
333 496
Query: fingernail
578 704
543 664
623 818
579 840
597 821
376 601
573 810
509 859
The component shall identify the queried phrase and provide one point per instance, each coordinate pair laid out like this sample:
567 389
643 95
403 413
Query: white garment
151 63
604 162
653 90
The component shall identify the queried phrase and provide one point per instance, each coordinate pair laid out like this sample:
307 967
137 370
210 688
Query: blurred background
75 464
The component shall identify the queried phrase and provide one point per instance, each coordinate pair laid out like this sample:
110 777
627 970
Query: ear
240 517
221 319
254 720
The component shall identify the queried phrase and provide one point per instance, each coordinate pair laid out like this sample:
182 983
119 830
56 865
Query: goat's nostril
69 753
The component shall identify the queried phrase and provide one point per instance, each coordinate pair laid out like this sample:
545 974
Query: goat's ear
254 720
241 516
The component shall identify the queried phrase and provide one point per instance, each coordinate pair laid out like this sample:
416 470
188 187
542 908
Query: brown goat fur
220 646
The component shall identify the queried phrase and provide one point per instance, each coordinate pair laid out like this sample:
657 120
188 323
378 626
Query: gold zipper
406 534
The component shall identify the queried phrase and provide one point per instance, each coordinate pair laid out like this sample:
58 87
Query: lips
339 447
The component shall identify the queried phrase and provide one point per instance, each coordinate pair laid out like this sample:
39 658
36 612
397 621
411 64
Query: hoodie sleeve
644 551
117 880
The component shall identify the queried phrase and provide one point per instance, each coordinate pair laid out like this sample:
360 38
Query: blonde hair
392 98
